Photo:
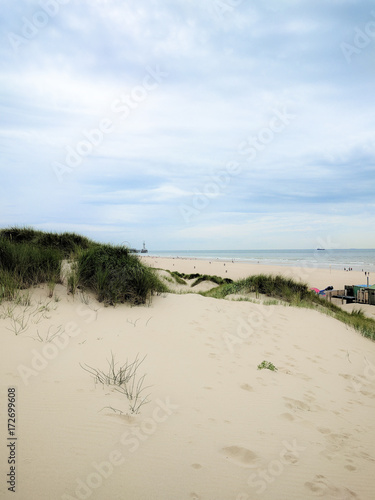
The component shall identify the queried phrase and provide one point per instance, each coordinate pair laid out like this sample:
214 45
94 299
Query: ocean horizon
356 259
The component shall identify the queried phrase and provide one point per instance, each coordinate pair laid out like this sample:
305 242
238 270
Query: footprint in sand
295 404
309 397
247 387
368 394
324 430
320 486
303 376
336 444
365 456
287 416
241 456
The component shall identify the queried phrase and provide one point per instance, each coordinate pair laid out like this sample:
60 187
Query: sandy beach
215 427
313 276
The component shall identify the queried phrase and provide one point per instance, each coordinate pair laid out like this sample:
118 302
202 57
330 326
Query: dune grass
124 378
177 277
214 279
23 265
116 275
181 277
67 244
295 294
29 257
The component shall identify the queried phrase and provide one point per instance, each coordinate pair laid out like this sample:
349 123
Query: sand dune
215 427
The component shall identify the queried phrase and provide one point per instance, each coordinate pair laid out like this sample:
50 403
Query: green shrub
267 365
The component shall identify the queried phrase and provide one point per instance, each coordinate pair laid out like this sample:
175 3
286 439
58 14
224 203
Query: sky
190 124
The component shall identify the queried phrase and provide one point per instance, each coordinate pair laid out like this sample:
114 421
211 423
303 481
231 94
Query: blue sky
191 124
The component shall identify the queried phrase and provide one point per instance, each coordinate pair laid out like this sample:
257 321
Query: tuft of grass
73 278
117 276
125 378
51 287
271 302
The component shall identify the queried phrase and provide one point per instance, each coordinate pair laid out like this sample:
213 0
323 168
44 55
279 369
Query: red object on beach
316 290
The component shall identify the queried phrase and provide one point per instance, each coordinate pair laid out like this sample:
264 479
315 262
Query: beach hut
371 295
363 294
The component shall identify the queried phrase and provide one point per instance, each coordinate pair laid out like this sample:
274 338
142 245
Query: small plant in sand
73 279
267 365
51 288
50 334
22 299
18 324
125 378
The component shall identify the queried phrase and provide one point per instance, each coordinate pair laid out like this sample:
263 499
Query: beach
214 427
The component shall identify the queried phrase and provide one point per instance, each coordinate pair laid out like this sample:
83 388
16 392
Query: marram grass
29 257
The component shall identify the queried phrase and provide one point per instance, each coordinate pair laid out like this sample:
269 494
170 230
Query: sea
355 259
